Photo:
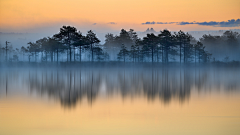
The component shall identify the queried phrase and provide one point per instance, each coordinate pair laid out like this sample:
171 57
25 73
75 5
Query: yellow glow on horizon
215 114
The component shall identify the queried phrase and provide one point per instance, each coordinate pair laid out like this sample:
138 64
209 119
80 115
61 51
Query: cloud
112 23
184 23
162 23
94 24
212 23
158 23
229 23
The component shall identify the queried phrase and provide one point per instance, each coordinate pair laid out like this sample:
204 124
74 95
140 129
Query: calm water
169 101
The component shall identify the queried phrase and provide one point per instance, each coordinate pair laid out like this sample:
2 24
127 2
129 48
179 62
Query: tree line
165 46
71 45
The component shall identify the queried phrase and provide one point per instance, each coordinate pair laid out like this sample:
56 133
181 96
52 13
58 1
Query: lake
120 101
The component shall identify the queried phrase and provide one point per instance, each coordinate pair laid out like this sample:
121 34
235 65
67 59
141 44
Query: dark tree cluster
71 45
68 44
178 46
128 38
223 46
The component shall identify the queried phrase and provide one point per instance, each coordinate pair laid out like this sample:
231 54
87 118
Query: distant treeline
71 45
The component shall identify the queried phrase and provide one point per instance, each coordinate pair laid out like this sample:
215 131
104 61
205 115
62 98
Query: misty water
141 101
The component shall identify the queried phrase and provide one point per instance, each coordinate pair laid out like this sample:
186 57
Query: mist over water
137 99
115 67
71 86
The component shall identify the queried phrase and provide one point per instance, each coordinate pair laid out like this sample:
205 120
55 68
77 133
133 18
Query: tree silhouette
123 53
151 42
81 41
179 41
34 48
109 40
167 42
147 49
67 36
133 36
23 50
99 53
227 44
6 49
133 53
123 38
145 52
92 40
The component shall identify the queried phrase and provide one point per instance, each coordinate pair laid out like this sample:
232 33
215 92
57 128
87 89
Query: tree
179 40
167 42
123 38
1 52
67 36
106 56
133 36
202 54
99 53
137 46
226 44
53 46
24 51
151 41
6 49
80 42
92 40
132 53
188 47
123 53
183 40
109 41
34 48
15 57
145 52
231 38
197 48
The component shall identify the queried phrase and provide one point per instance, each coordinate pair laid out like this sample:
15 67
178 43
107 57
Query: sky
47 16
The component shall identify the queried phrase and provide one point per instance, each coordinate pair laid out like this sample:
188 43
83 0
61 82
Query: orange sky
22 15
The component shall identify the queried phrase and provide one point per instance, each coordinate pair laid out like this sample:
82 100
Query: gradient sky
104 15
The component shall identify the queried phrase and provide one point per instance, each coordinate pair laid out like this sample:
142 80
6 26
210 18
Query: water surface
109 101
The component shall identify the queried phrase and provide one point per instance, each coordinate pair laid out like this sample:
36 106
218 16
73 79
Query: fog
69 86
146 46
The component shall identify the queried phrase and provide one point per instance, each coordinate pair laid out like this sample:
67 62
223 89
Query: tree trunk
198 56
6 50
70 53
74 54
51 56
92 52
57 55
152 53
124 56
184 51
35 56
195 55
162 53
46 56
80 53
180 52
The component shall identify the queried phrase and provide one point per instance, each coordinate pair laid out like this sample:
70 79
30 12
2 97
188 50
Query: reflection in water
165 84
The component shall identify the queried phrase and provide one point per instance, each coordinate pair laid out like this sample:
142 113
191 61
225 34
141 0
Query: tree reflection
165 84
